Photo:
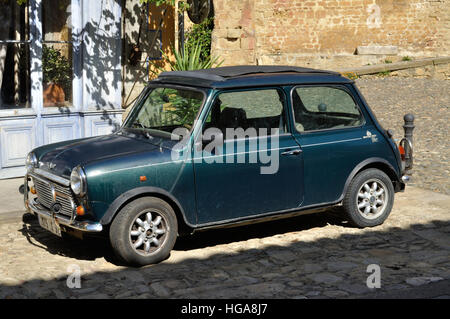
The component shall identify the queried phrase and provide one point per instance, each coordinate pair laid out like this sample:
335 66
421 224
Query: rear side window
324 107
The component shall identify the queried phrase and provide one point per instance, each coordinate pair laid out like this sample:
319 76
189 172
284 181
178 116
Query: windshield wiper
151 133
138 131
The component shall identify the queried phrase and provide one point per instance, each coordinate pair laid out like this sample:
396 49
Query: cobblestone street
312 256
315 256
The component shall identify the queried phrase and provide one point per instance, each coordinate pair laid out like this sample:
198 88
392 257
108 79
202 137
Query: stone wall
329 33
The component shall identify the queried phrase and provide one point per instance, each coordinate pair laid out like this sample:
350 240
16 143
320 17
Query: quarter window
323 107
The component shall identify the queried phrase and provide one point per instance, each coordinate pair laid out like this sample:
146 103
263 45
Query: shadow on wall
149 29
96 59
263 270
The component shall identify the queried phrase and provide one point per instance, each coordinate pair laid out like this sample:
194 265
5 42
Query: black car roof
249 75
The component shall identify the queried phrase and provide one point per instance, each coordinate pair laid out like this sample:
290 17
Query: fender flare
369 161
122 199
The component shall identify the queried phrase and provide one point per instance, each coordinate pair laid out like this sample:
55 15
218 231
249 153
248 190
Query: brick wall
327 33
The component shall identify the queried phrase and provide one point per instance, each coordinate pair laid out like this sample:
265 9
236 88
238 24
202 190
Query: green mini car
219 147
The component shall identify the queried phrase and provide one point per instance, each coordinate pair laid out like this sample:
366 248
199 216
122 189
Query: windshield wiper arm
139 131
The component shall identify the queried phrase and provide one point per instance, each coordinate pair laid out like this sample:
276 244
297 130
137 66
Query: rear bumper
406 178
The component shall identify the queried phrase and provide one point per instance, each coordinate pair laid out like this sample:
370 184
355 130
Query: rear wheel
369 198
144 231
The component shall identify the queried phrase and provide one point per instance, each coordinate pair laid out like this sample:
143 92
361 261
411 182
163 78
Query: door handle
294 152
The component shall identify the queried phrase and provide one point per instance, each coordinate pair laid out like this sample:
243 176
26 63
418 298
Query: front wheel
144 231
369 198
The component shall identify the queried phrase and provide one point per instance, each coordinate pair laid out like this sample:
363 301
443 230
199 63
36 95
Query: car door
328 125
258 168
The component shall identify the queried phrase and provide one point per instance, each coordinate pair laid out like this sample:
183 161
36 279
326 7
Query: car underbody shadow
217 236
90 248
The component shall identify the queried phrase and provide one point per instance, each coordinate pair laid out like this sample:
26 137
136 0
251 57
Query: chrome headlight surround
78 181
31 161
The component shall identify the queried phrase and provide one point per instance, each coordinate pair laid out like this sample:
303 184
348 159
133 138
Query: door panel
235 190
251 174
329 127
57 130
16 141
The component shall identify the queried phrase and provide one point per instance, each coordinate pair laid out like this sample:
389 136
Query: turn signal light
33 190
80 210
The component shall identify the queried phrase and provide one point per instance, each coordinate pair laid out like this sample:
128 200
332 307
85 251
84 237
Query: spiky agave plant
189 59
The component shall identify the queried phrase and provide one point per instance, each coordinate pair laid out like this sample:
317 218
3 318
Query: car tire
144 231
369 198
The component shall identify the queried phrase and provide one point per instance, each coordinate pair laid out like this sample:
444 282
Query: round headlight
78 181
31 161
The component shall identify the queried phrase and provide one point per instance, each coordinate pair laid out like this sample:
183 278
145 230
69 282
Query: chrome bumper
33 207
78 225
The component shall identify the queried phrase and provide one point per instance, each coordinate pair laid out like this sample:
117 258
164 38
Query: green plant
387 61
201 33
406 58
384 73
184 108
56 68
189 59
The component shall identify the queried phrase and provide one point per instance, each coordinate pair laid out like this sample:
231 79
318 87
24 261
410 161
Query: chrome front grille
49 193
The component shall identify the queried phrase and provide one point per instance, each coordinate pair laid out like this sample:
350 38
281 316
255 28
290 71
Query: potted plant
57 72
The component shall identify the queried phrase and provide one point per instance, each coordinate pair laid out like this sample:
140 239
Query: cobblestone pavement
315 256
429 100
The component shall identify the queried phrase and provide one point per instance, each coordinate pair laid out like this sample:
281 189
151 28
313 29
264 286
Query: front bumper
34 207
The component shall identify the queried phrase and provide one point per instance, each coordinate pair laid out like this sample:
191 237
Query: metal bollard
408 141
409 126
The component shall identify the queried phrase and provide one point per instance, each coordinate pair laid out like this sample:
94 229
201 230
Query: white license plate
50 225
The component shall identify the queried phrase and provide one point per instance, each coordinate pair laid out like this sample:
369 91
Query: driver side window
324 107
260 110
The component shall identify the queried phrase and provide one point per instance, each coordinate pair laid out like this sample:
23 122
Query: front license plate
50 225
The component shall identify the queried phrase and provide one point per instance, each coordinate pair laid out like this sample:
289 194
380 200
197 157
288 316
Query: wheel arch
380 164
184 227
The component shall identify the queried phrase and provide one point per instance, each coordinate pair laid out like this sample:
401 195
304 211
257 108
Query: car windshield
164 109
